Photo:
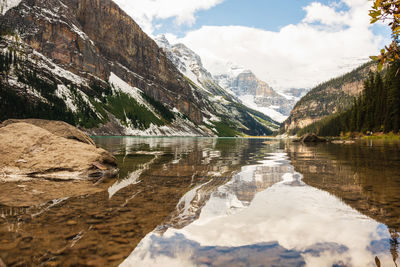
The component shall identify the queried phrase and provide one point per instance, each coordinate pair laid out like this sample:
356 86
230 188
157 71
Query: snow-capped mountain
239 83
88 63
255 93
223 100
190 65
295 93
5 5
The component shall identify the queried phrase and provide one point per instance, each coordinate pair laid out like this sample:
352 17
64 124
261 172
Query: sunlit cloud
329 41
144 12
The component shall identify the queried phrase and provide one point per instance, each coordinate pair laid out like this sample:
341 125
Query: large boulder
65 153
59 128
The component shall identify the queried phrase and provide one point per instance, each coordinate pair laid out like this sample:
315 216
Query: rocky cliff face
191 66
328 98
87 50
238 84
225 104
255 93
88 63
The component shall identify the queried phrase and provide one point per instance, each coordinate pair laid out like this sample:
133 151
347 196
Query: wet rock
310 138
35 152
52 263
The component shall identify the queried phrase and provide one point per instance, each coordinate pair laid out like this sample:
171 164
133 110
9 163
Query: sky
288 44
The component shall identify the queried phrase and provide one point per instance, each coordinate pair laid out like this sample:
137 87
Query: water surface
216 202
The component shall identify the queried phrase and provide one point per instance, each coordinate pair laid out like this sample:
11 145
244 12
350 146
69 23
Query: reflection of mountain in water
217 202
365 176
233 187
103 226
265 215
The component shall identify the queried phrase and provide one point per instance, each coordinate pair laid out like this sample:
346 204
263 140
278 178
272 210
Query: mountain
334 96
295 93
239 85
8 4
256 93
226 105
191 66
376 110
88 63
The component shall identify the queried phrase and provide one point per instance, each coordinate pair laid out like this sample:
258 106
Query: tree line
377 109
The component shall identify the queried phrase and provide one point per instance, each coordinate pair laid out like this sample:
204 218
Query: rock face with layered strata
256 93
328 98
88 63
29 151
223 101
91 39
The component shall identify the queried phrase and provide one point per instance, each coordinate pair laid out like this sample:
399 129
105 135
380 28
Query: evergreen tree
377 109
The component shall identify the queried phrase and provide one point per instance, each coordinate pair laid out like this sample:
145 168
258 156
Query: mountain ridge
331 97
227 105
88 62
238 82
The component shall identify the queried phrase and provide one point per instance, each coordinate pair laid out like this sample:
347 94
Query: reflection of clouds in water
156 251
268 203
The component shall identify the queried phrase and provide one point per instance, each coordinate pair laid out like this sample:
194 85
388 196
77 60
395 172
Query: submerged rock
310 138
51 150
343 142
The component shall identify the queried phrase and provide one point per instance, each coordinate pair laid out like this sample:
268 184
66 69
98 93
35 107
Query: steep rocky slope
239 84
226 105
328 98
191 66
256 93
88 63
93 57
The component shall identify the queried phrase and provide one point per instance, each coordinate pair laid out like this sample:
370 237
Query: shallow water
215 202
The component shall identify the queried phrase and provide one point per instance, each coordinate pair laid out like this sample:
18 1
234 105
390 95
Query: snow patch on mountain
118 83
248 100
134 92
186 61
6 5
64 93
215 90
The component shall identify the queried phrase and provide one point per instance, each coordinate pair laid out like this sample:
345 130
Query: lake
213 202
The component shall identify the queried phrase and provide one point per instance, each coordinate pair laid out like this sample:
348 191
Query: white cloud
317 12
326 43
183 11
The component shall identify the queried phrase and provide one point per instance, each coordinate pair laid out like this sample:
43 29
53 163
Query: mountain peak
162 41
5 5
